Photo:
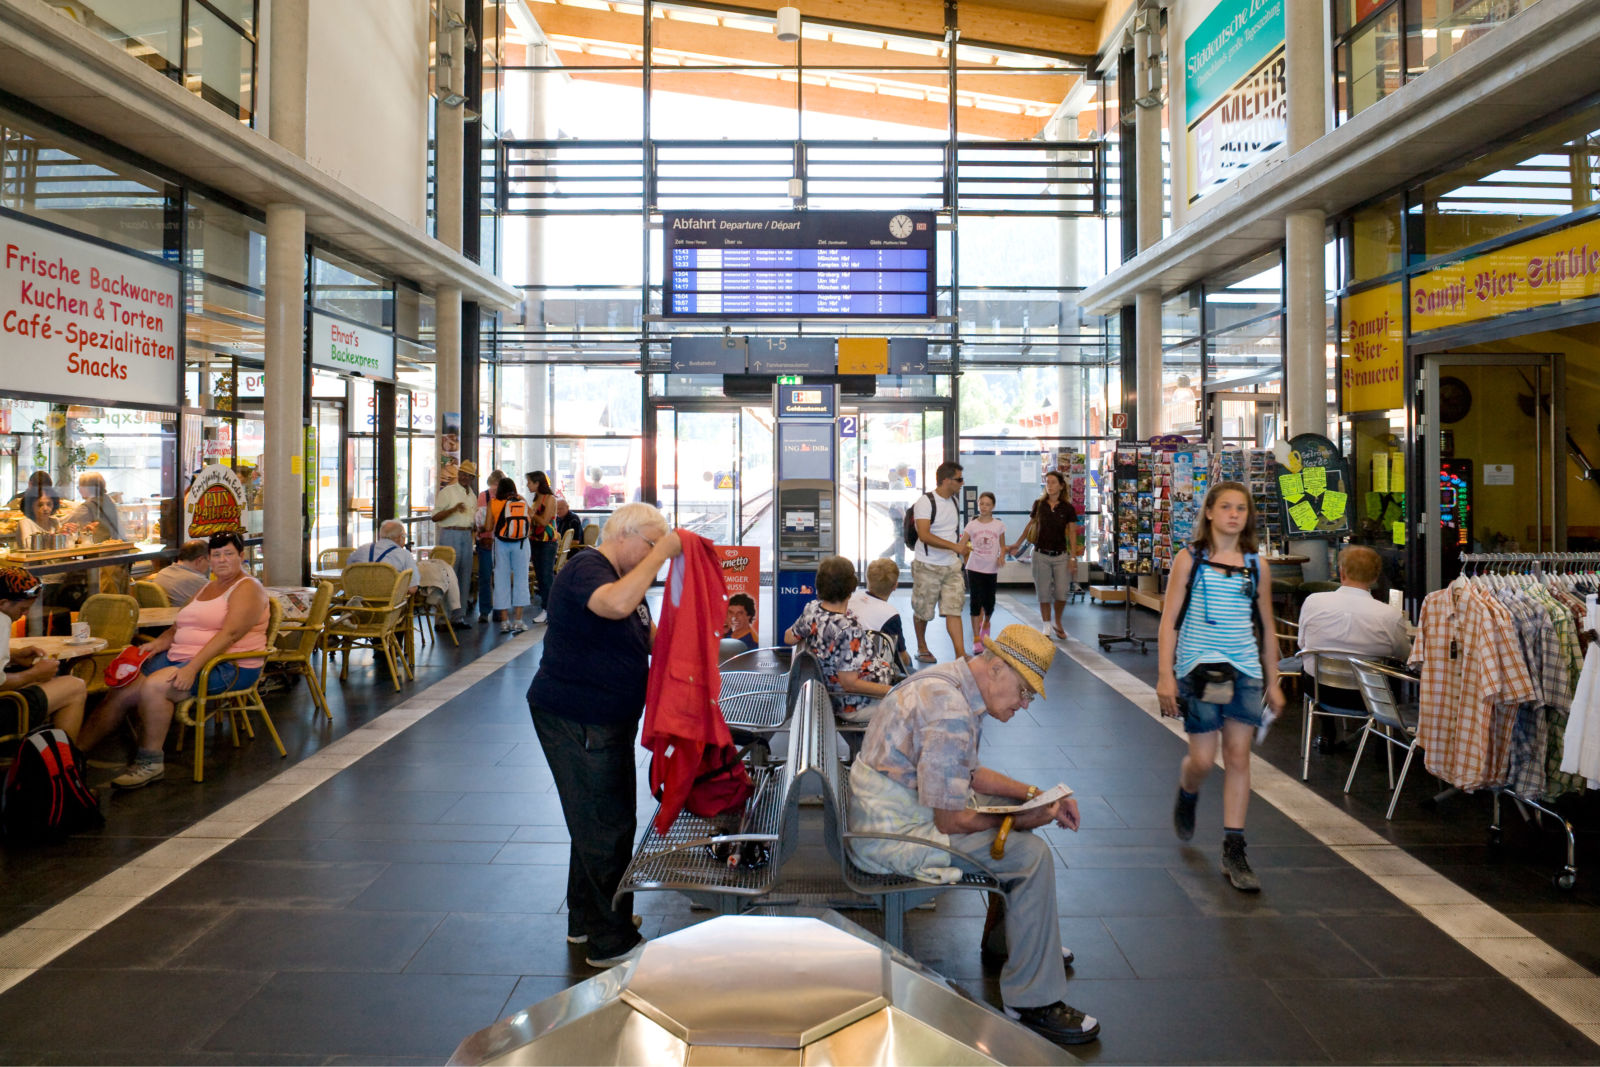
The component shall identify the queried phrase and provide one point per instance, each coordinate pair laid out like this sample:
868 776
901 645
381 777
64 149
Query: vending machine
805 494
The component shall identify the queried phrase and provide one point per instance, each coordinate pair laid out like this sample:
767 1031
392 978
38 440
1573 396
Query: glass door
1242 420
327 486
883 469
714 473
1495 439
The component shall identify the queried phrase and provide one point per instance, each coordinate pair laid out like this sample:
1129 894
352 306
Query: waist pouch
1212 683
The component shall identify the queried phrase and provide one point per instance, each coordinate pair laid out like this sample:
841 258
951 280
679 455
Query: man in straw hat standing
452 519
918 774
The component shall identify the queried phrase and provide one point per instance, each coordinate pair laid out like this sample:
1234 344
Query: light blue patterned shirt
925 735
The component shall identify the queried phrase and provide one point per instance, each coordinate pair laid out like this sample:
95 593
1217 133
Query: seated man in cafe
918 775
29 671
566 520
1350 620
229 615
188 575
390 548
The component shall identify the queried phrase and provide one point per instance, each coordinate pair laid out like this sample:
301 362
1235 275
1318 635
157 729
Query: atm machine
805 516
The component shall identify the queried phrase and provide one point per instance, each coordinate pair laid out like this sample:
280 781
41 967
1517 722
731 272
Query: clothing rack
1533 564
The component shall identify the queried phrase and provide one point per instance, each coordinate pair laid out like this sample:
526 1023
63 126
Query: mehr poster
1313 488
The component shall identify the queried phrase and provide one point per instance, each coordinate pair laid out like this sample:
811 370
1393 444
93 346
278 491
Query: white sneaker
539 619
621 957
140 773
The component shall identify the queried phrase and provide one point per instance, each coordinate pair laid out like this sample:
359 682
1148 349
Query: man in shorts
936 579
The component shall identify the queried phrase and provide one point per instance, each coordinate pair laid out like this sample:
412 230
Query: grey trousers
460 540
1033 976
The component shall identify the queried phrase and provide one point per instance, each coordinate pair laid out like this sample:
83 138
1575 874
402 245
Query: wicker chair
563 550
330 559
12 698
298 640
374 615
238 703
113 618
151 595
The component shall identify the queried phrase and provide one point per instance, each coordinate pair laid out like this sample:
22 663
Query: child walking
1218 660
987 535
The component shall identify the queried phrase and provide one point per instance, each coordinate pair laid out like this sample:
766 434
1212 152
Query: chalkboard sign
1314 489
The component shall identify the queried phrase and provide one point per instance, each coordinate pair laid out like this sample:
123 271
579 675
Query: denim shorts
1202 718
224 677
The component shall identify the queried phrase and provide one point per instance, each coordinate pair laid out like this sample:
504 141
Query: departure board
807 264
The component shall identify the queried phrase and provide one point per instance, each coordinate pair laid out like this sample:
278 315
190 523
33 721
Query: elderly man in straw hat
918 775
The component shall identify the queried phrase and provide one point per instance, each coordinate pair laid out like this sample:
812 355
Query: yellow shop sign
1370 350
1564 265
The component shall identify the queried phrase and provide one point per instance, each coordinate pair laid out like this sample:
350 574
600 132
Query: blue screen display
805 450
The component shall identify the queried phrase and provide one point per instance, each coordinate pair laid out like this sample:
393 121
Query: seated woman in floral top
830 631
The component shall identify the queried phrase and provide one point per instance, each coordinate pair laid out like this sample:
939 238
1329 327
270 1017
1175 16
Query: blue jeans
485 579
1202 718
224 677
544 569
596 778
510 574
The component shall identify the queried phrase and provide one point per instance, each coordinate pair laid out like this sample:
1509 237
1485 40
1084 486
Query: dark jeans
485 580
596 780
544 569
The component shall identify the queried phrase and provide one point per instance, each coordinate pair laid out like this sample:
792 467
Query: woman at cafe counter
97 517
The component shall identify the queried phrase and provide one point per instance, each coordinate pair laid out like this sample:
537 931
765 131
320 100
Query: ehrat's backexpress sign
81 320
344 347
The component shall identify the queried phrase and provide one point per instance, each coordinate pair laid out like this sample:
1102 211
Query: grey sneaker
518 628
1236 867
631 953
1059 1022
140 773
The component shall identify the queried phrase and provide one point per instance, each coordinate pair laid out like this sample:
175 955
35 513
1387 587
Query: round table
59 648
157 618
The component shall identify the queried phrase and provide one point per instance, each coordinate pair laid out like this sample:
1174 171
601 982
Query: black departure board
810 264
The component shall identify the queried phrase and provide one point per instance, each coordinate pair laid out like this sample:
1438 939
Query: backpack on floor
45 797
909 523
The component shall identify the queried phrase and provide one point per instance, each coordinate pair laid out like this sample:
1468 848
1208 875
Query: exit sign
788 379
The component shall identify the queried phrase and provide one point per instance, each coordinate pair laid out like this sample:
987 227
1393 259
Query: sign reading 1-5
847 425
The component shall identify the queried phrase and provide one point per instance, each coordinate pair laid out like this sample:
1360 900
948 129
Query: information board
821 264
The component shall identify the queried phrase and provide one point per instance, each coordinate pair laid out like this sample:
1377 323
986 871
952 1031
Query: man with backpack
936 579
29 671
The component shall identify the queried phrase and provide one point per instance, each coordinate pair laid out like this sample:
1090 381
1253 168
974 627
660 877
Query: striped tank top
1219 626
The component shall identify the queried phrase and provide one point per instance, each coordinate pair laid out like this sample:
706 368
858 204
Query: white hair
393 530
633 518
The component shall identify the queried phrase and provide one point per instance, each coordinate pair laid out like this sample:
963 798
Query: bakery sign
78 319
214 503
350 349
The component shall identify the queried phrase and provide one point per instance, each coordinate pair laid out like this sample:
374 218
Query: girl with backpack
511 524
543 539
1218 662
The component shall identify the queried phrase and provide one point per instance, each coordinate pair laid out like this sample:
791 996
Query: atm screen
805 451
797 520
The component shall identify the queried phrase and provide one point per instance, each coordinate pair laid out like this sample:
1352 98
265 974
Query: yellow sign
1564 265
863 355
1370 350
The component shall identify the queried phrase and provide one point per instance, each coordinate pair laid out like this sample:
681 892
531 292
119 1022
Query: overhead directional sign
908 355
709 355
791 355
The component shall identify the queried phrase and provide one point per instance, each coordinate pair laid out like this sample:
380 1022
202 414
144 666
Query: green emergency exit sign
788 379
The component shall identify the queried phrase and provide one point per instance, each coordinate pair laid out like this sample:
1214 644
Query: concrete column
1147 337
447 130
283 481
447 349
1305 340
1305 285
286 75
1147 141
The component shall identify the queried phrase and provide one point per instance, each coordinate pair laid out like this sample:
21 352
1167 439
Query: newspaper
1049 796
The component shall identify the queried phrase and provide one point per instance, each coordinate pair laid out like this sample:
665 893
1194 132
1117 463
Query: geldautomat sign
344 347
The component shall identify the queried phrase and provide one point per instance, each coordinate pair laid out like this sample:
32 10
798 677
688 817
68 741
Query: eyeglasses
28 594
646 540
960 479
1024 690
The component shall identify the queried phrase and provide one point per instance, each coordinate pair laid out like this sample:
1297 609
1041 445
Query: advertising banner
1564 265
741 570
214 503
77 319
1370 350
344 347
1235 104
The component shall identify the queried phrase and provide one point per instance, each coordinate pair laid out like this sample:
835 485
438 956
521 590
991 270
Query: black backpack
909 523
45 798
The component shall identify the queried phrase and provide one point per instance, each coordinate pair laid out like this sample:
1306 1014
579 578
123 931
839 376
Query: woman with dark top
586 703
542 543
1055 549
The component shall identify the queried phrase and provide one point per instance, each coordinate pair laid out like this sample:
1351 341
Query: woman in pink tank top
228 615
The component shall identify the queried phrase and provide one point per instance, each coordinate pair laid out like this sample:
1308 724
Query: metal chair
238 703
1386 716
1333 672
298 640
372 616
151 595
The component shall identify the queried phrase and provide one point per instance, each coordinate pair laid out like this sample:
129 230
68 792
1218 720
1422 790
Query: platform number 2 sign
847 425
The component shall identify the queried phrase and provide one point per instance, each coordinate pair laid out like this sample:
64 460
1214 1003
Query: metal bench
682 859
896 893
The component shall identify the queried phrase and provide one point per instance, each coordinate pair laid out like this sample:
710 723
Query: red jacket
683 724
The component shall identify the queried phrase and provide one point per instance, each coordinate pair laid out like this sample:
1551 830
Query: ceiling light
788 24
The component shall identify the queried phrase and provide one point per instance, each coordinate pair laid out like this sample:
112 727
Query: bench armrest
868 835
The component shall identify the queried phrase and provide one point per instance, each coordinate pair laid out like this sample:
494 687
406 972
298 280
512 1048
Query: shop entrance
1239 418
714 471
888 454
327 488
1495 442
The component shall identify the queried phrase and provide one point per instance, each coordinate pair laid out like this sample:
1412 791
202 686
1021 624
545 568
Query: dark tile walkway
417 896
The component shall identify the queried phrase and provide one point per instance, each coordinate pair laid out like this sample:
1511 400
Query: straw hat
1026 649
469 468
